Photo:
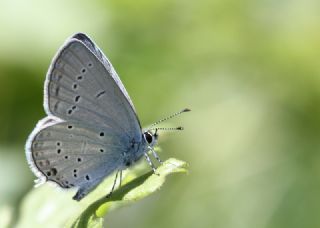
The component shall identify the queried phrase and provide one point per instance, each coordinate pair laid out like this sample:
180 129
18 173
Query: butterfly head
150 137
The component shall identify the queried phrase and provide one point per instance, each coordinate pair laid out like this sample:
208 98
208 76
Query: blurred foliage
248 69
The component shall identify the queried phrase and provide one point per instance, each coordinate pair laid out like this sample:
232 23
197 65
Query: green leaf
48 205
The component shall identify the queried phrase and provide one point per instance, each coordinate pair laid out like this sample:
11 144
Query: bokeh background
249 70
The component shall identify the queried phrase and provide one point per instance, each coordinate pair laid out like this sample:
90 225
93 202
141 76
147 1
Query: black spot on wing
98 95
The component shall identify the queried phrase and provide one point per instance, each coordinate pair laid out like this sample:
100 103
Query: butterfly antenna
167 129
169 117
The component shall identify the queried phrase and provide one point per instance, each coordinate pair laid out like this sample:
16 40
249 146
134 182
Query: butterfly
91 129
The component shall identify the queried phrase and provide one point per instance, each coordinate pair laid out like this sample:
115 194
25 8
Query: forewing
107 64
82 86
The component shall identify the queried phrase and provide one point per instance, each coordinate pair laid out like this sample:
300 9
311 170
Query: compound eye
148 137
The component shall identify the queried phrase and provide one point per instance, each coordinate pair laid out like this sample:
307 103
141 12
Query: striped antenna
167 128
169 117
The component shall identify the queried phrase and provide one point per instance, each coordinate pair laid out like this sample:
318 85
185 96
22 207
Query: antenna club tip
180 128
186 110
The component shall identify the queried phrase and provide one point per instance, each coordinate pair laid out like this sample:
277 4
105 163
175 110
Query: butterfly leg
80 194
155 154
114 184
85 189
120 178
150 163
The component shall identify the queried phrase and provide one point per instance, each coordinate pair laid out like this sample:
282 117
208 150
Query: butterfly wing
82 85
94 48
91 120
73 155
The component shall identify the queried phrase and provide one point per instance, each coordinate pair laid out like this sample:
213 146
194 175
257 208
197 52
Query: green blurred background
248 69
